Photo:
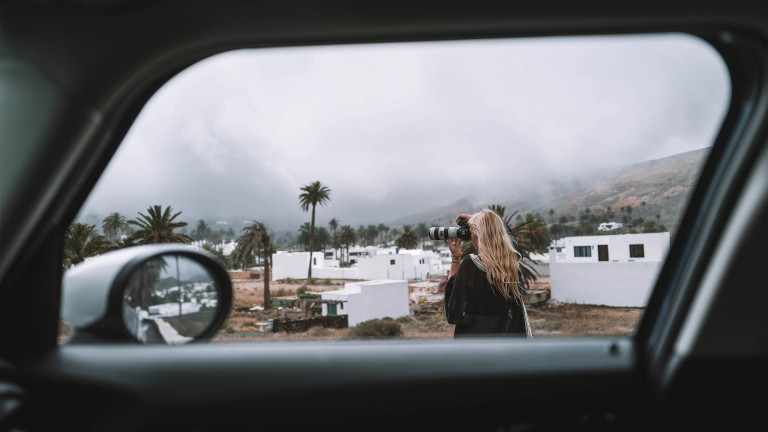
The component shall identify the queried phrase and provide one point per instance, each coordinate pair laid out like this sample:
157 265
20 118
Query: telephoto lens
445 233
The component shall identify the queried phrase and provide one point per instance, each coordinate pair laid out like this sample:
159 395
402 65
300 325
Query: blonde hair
496 251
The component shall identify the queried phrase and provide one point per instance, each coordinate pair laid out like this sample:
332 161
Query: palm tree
333 224
383 231
371 232
532 234
217 252
303 237
158 226
312 195
408 238
114 225
202 231
322 238
422 231
395 233
361 235
125 242
81 242
346 237
254 237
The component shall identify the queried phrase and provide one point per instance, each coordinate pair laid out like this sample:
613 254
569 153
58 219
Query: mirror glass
169 299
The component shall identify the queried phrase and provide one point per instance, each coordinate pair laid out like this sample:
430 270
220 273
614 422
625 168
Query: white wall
621 281
290 265
656 246
604 283
295 264
369 300
406 266
374 266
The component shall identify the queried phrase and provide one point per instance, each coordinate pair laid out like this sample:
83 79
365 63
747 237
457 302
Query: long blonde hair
496 251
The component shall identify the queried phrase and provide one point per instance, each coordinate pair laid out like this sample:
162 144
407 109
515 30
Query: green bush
376 329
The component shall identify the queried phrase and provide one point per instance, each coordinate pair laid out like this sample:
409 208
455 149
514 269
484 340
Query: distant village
610 270
391 273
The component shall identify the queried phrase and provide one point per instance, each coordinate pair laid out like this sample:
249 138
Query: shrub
318 332
404 319
287 280
376 329
301 290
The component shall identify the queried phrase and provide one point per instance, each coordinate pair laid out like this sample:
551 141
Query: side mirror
169 293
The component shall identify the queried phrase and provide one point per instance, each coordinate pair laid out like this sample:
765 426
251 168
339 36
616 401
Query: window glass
356 151
582 251
636 251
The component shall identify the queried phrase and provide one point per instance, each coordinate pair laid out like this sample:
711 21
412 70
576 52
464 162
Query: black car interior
75 74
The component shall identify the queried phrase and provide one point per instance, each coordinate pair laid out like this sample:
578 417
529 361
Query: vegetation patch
384 328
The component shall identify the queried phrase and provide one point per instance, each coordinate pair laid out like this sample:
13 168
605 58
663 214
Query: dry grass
250 292
566 319
552 319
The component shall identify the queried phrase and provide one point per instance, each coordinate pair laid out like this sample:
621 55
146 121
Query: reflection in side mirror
169 299
169 294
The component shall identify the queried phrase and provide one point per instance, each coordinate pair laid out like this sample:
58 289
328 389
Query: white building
388 263
612 270
295 265
405 264
363 301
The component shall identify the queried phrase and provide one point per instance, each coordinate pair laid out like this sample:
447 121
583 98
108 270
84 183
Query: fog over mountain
407 132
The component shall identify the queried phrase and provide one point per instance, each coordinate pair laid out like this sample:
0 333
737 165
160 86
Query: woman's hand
454 245
463 216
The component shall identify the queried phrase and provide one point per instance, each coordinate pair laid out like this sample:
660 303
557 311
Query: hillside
438 216
658 187
656 190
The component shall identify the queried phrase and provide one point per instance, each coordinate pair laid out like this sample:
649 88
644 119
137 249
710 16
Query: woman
483 294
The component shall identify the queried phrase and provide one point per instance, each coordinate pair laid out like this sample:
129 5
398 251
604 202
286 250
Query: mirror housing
160 293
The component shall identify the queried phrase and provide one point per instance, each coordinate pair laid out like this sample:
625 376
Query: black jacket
477 309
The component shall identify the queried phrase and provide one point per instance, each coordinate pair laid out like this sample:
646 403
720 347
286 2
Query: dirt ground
548 319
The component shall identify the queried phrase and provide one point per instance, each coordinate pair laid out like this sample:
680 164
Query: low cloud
396 129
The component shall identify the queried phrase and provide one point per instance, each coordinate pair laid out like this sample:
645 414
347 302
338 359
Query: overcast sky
397 129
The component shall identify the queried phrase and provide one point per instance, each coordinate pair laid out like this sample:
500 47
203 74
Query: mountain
657 187
440 216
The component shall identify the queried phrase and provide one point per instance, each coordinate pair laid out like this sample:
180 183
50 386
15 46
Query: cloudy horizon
397 129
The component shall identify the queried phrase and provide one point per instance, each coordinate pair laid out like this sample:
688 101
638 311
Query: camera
444 233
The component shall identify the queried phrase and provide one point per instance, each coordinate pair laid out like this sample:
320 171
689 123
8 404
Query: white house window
391 262
582 251
636 251
314 261
421 261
